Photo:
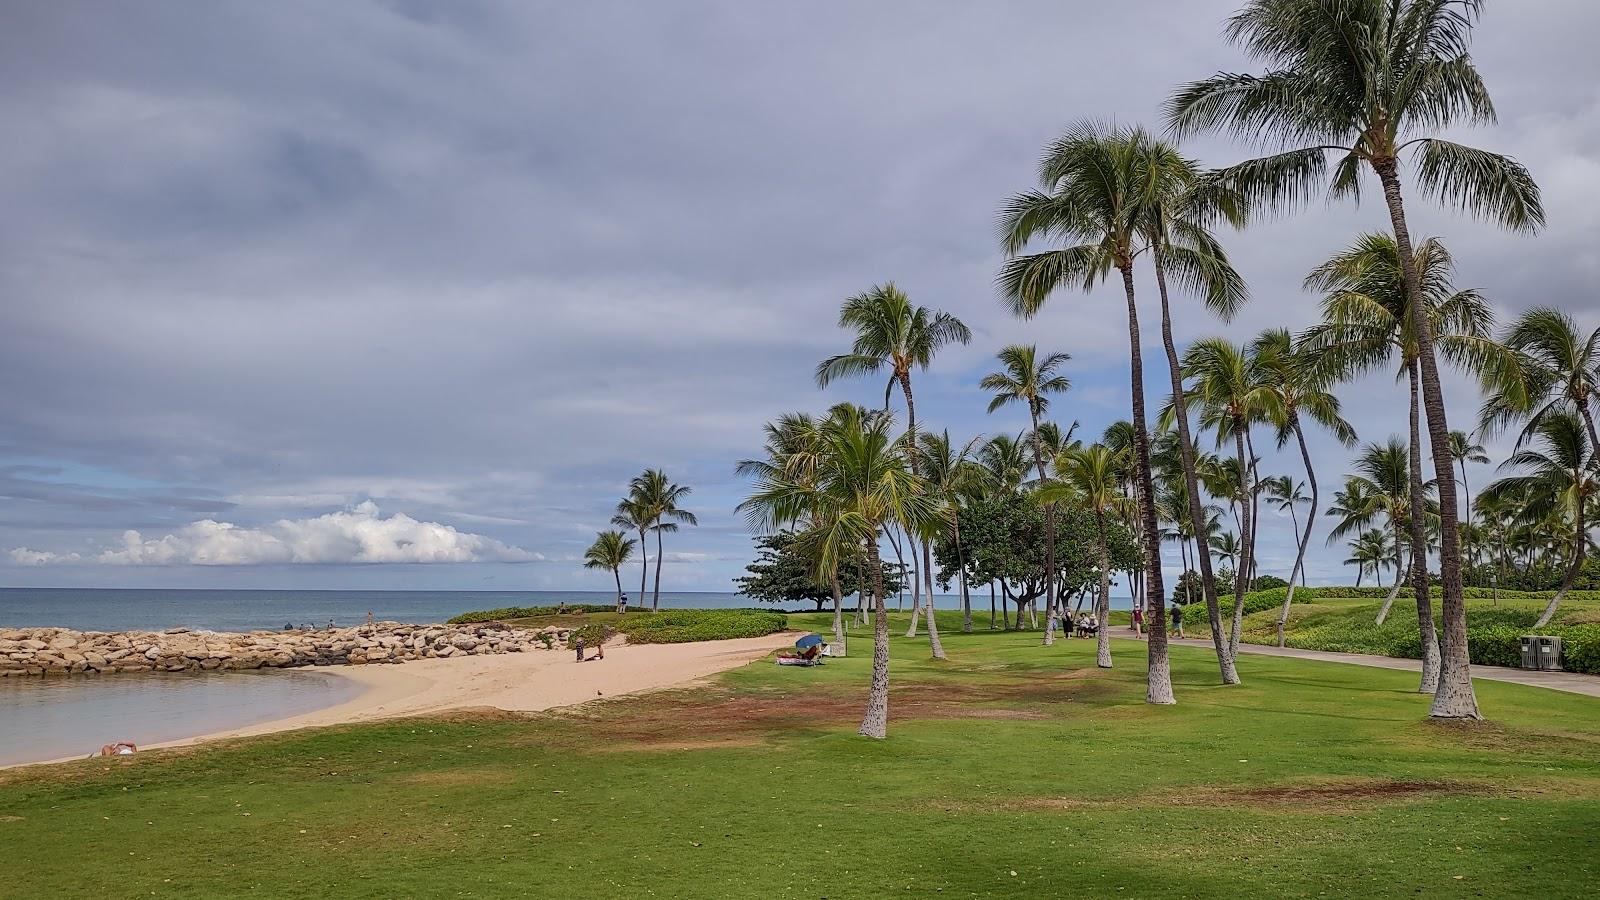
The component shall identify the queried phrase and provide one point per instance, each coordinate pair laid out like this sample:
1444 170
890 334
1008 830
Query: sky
400 294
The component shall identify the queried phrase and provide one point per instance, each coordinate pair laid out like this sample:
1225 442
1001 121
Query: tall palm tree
1559 482
1367 321
863 484
891 333
1232 391
634 514
952 477
1297 389
1097 197
1551 366
1176 233
1089 477
1367 80
658 497
1464 451
1005 459
1029 380
610 550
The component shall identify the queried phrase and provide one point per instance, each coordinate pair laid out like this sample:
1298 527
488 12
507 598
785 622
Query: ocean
129 609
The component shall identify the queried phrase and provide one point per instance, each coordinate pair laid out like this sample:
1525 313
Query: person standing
1177 619
1138 621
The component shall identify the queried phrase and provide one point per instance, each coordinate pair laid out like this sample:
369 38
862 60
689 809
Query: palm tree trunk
1311 518
644 570
1246 557
861 595
1254 496
1191 481
1102 604
1400 573
1158 681
1419 551
991 605
655 598
875 722
1454 698
1579 548
838 613
961 563
1049 536
934 645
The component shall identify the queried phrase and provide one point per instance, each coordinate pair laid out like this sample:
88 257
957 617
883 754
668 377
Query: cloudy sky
399 294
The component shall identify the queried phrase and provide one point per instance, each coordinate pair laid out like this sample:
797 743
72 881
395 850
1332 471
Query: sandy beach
516 682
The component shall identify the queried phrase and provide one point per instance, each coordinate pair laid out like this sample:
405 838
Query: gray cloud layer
481 262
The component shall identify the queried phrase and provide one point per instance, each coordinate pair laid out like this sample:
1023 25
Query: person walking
1177 619
1138 621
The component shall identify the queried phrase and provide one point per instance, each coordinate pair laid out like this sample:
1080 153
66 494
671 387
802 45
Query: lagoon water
52 718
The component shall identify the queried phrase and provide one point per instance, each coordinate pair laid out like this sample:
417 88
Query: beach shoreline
513 682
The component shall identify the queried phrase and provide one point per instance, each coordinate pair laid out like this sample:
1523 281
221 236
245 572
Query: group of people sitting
1084 624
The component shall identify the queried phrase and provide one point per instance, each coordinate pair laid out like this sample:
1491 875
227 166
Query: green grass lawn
1011 770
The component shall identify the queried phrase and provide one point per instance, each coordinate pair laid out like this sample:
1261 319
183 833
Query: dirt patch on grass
1325 796
719 718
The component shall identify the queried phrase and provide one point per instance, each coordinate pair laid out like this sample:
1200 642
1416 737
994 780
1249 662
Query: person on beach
1177 619
120 748
577 645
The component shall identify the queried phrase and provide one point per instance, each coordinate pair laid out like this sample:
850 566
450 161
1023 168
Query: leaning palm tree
891 333
1464 451
863 484
1367 80
1368 321
610 550
1097 196
1029 380
659 497
1232 391
953 477
1551 366
1558 482
1299 392
1089 478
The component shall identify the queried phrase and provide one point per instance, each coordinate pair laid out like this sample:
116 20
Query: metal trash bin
1549 653
1530 651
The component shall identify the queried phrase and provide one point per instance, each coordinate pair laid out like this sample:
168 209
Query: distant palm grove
1350 95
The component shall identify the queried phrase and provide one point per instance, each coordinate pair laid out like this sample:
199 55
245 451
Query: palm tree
1384 487
1464 451
1097 198
1292 378
863 484
1175 231
1367 321
1369 551
1551 366
1367 80
1089 476
658 497
890 332
635 515
952 477
1029 380
1005 460
1226 547
1559 483
1232 391
610 550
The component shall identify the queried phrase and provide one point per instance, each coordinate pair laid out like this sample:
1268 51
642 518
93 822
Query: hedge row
524 612
677 626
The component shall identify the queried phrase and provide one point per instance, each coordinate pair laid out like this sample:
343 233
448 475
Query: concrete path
1570 682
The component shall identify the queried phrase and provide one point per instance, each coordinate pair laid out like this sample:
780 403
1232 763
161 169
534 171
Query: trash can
1549 653
1530 651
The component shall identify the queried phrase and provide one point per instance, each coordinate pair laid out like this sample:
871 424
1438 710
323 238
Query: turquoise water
52 718
119 609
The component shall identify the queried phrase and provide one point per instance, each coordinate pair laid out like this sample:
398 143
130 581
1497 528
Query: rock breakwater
61 651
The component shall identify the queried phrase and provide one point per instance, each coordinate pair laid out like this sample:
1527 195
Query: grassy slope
1009 758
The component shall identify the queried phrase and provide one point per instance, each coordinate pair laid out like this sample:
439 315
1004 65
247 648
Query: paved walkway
1570 682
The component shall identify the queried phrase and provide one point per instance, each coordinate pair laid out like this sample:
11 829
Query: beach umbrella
810 640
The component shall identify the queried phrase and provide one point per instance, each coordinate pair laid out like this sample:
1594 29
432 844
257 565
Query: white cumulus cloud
360 534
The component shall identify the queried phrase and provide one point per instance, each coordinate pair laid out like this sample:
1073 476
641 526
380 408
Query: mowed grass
1011 770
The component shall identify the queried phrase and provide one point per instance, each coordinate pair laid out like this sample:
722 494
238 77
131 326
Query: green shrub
676 626
525 612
